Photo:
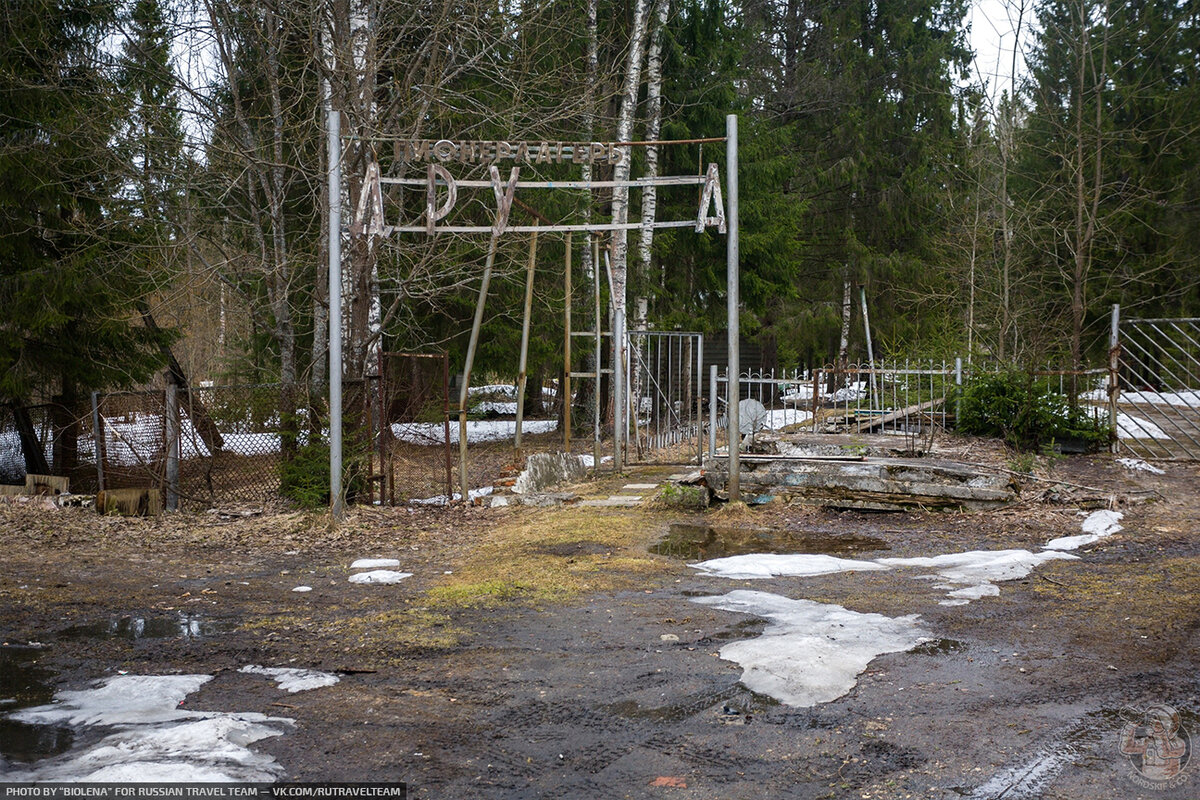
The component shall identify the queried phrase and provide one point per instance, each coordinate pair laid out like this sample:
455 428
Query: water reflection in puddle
701 542
24 683
134 627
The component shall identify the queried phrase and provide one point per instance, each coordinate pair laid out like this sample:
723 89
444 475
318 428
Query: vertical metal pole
446 425
731 313
98 437
958 392
334 161
712 410
565 388
620 413
172 433
699 390
862 293
1114 372
522 369
594 243
465 389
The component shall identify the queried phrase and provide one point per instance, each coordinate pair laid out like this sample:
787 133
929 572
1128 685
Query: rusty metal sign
441 190
475 152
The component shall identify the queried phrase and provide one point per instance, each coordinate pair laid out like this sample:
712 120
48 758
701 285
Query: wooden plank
901 414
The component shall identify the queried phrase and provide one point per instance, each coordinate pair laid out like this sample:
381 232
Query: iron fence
910 397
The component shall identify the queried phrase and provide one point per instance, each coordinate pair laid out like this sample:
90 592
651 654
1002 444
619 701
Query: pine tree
67 291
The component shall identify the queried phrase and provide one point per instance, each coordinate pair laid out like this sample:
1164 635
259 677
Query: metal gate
411 459
1158 404
666 390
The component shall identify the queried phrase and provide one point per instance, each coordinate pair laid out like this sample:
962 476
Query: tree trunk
65 416
650 193
625 118
31 447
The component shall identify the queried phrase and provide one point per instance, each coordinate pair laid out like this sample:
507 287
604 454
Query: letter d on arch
432 212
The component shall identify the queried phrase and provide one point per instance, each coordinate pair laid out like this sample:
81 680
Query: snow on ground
1096 526
970 575
588 460
441 499
813 652
486 430
379 576
810 652
494 407
1187 398
771 565
154 739
1138 465
507 390
782 417
291 679
375 563
1130 427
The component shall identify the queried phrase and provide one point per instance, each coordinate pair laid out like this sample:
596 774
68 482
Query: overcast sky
993 23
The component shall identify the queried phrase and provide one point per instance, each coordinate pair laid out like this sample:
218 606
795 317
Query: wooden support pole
523 369
464 390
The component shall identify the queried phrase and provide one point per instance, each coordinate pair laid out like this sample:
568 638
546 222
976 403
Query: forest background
162 177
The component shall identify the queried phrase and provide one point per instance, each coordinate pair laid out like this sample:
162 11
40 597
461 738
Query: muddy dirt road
552 653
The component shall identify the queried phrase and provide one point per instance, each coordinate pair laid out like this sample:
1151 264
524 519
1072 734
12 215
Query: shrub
304 478
1026 413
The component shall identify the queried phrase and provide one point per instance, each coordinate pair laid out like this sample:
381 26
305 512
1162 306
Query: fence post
172 436
1114 372
564 389
712 410
958 392
699 388
98 437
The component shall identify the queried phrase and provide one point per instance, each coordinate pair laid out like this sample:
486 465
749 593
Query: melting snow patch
155 740
293 680
771 565
440 500
1028 780
379 576
1098 525
1138 465
488 430
1130 427
375 563
810 652
969 575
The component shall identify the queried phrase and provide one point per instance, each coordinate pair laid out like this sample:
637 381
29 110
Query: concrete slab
883 484
615 501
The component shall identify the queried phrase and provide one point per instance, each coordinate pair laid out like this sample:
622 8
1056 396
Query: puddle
747 627
133 627
24 684
939 647
702 542
727 704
